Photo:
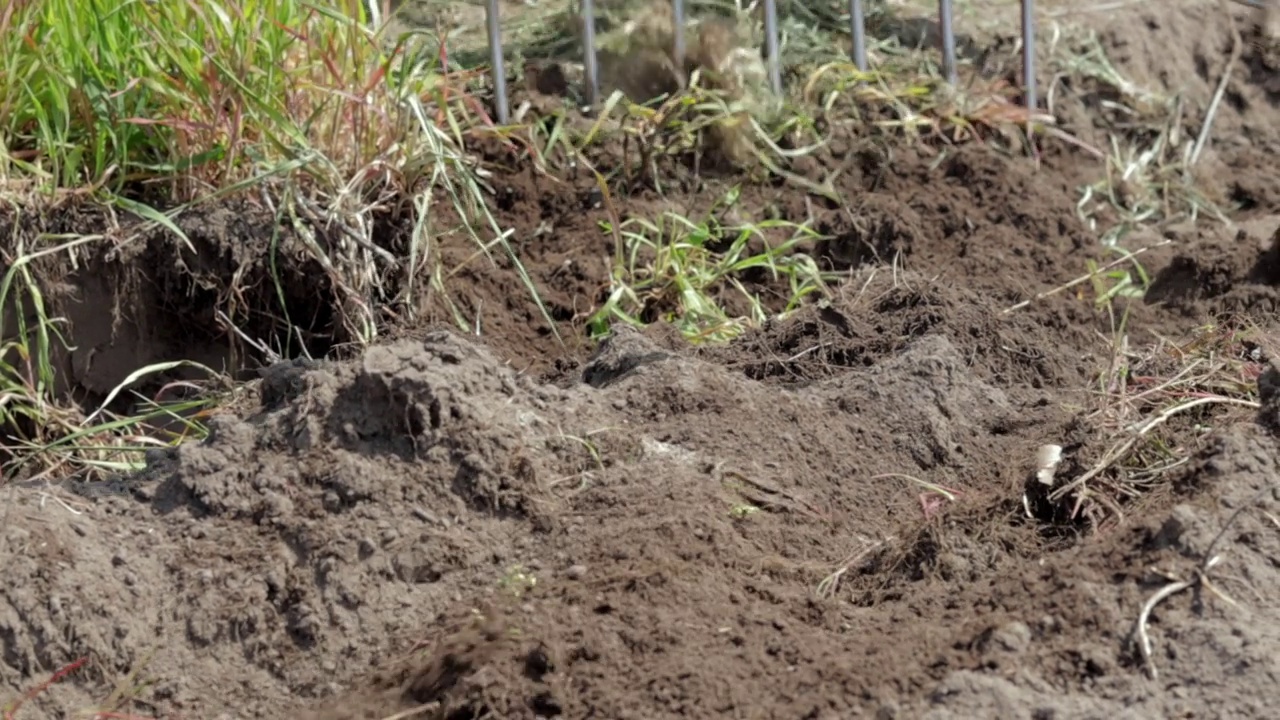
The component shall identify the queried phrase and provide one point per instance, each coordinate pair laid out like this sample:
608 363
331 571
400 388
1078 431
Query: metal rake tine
946 23
1029 54
494 25
677 17
589 47
771 44
857 22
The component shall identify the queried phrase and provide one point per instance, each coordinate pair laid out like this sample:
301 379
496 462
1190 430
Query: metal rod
494 25
857 22
1029 53
946 23
589 46
771 44
677 18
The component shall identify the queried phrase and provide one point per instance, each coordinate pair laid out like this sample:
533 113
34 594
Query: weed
1150 158
517 581
672 269
1140 398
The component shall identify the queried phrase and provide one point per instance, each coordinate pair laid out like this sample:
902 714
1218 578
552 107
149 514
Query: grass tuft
1152 405
677 271
1150 154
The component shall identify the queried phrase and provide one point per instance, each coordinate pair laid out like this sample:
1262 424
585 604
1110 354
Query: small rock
331 501
576 572
953 567
1013 637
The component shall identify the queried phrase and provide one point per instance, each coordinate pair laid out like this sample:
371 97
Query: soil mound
664 534
1229 271
836 515
364 498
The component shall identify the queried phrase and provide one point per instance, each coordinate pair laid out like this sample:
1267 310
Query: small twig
1140 629
1274 520
316 216
1122 449
420 709
1237 48
270 355
831 583
1086 277
1201 578
1252 501
11 711
944 491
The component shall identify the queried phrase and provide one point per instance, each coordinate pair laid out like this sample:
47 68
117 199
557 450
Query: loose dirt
511 526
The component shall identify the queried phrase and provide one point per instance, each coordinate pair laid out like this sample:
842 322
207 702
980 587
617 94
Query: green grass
191 102
184 103
201 96
674 270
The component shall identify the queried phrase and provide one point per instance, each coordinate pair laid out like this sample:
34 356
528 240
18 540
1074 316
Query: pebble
576 572
1012 637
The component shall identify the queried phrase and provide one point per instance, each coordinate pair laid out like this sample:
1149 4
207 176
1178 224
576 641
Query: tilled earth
508 526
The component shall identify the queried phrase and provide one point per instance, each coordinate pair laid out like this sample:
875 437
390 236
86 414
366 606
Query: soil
516 524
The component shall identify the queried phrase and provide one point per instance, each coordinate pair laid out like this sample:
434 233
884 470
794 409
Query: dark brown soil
520 526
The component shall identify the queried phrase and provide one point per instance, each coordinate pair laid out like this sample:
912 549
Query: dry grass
1154 405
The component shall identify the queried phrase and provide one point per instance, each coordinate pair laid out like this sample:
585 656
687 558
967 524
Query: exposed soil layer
519 526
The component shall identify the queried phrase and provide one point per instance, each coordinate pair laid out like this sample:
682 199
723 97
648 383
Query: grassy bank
326 118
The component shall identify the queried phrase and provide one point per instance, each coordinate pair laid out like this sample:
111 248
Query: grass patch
674 269
154 109
659 124
1150 154
299 103
1152 405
